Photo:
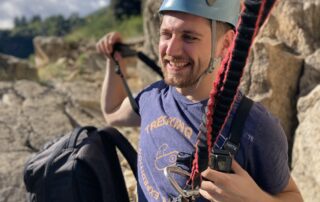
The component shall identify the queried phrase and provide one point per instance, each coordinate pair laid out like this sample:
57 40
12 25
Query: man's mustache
175 58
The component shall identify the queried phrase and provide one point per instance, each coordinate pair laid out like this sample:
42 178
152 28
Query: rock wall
151 24
306 162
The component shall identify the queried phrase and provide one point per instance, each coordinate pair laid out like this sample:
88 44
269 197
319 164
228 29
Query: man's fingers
213 175
206 195
109 44
101 47
210 191
236 167
117 56
105 45
211 188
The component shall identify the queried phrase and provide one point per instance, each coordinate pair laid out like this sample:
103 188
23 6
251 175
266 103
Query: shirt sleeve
143 97
268 163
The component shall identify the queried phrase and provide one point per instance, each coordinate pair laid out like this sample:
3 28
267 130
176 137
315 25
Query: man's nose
175 47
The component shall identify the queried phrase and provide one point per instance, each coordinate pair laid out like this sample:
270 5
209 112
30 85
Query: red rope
218 87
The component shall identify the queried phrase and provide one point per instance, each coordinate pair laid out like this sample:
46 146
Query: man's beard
181 81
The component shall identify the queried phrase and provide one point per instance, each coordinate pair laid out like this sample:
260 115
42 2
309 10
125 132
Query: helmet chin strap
214 61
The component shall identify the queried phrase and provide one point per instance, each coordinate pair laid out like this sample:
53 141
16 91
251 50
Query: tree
56 25
126 8
74 20
35 19
20 22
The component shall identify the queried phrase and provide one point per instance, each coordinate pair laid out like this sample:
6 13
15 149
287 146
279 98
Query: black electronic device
221 160
125 50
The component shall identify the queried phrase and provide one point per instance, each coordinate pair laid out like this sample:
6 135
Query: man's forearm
289 197
113 92
282 197
290 194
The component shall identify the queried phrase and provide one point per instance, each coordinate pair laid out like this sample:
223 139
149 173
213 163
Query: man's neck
198 92
193 94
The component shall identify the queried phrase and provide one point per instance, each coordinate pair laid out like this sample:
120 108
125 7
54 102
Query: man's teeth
178 64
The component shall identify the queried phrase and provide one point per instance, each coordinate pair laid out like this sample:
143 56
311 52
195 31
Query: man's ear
227 41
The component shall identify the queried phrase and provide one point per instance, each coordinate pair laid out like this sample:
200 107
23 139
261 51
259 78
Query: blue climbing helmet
217 10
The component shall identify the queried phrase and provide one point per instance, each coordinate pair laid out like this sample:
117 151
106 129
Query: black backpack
81 166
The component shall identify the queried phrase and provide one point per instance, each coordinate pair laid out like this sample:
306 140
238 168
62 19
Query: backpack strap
100 154
72 143
237 125
120 142
113 139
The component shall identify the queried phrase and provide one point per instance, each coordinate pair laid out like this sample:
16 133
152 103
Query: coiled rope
225 87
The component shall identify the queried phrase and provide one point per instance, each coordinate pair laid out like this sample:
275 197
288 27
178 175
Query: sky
9 9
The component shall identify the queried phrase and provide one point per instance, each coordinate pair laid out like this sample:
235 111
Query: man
194 36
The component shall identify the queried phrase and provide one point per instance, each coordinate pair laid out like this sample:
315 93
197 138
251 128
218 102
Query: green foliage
131 27
18 41
126 8
56 70
52 26
104 21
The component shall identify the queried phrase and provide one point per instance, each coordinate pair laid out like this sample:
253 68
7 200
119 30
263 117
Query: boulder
296 23
306 162
311 73
48 50
12 68
272 77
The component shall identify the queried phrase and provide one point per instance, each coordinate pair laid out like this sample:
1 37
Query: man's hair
222 27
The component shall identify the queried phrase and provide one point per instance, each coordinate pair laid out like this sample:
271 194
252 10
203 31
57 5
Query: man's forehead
175 18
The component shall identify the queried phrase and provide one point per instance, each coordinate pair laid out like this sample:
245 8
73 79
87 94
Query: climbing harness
220 159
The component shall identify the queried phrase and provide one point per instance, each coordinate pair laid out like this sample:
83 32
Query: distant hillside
18 41
103 21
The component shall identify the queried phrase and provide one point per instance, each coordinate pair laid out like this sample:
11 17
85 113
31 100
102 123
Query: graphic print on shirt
150 189
173 122
165 157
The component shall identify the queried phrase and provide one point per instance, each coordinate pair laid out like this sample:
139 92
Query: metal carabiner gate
188 195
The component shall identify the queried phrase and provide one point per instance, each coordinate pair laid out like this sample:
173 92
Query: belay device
222 96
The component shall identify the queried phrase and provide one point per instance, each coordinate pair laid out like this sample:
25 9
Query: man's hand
115 104
106 43
229 187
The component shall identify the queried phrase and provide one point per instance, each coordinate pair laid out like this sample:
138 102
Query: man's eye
189 38
165 35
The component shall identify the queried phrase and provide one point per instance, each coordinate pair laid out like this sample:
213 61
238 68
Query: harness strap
184 160
237 126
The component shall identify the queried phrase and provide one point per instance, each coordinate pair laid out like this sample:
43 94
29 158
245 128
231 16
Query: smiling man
194 36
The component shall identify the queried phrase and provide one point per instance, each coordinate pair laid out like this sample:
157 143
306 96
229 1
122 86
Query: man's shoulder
157 87
159 84
263 125
260 114
153 91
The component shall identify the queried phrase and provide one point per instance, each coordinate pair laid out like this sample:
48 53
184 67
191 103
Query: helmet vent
210 2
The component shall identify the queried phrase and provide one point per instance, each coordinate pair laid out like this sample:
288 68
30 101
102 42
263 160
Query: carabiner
188 194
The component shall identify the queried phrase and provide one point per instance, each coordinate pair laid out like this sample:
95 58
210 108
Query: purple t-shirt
169 125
